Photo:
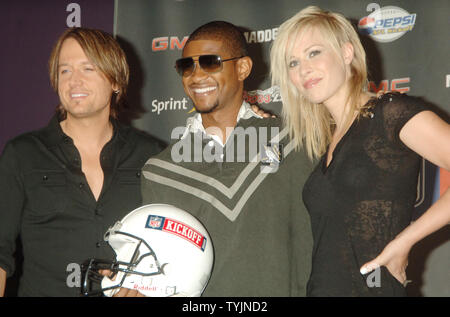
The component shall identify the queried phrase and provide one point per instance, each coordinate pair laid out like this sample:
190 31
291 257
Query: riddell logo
168 43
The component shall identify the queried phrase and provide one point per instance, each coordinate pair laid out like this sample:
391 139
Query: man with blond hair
63 186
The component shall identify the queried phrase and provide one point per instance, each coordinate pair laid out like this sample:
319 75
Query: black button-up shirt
45 198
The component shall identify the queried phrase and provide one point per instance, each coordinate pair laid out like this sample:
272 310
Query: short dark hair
223 31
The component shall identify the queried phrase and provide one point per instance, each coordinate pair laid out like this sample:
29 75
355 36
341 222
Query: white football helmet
160 251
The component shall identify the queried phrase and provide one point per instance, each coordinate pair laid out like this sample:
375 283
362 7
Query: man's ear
244 67
115 88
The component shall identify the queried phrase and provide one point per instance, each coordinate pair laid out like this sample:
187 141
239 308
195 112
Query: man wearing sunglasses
250 203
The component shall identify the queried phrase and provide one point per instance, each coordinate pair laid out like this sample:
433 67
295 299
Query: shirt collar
194 124
53 134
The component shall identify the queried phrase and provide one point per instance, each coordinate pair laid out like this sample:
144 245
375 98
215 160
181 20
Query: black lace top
362 200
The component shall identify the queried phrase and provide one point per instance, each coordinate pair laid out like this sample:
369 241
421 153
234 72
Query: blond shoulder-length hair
311 125
104 52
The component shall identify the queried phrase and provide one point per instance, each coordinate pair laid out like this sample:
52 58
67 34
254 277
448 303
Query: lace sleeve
397 110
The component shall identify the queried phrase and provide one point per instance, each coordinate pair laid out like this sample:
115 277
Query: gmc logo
164 43
395 85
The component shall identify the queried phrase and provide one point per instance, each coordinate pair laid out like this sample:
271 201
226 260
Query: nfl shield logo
154 222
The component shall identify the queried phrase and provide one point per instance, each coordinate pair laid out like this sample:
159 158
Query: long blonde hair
309 124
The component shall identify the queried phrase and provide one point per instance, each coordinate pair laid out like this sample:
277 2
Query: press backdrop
407 43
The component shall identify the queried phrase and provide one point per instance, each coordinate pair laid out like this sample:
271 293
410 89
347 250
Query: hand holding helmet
160 251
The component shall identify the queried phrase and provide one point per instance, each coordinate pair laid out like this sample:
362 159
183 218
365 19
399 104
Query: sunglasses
208 63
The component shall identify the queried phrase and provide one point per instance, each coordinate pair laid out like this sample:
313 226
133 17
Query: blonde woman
361 194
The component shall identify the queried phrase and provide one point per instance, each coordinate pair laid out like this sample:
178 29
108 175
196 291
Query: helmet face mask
160 250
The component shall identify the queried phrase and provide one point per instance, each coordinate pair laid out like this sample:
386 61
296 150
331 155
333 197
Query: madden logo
387 24
178 228
261 36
